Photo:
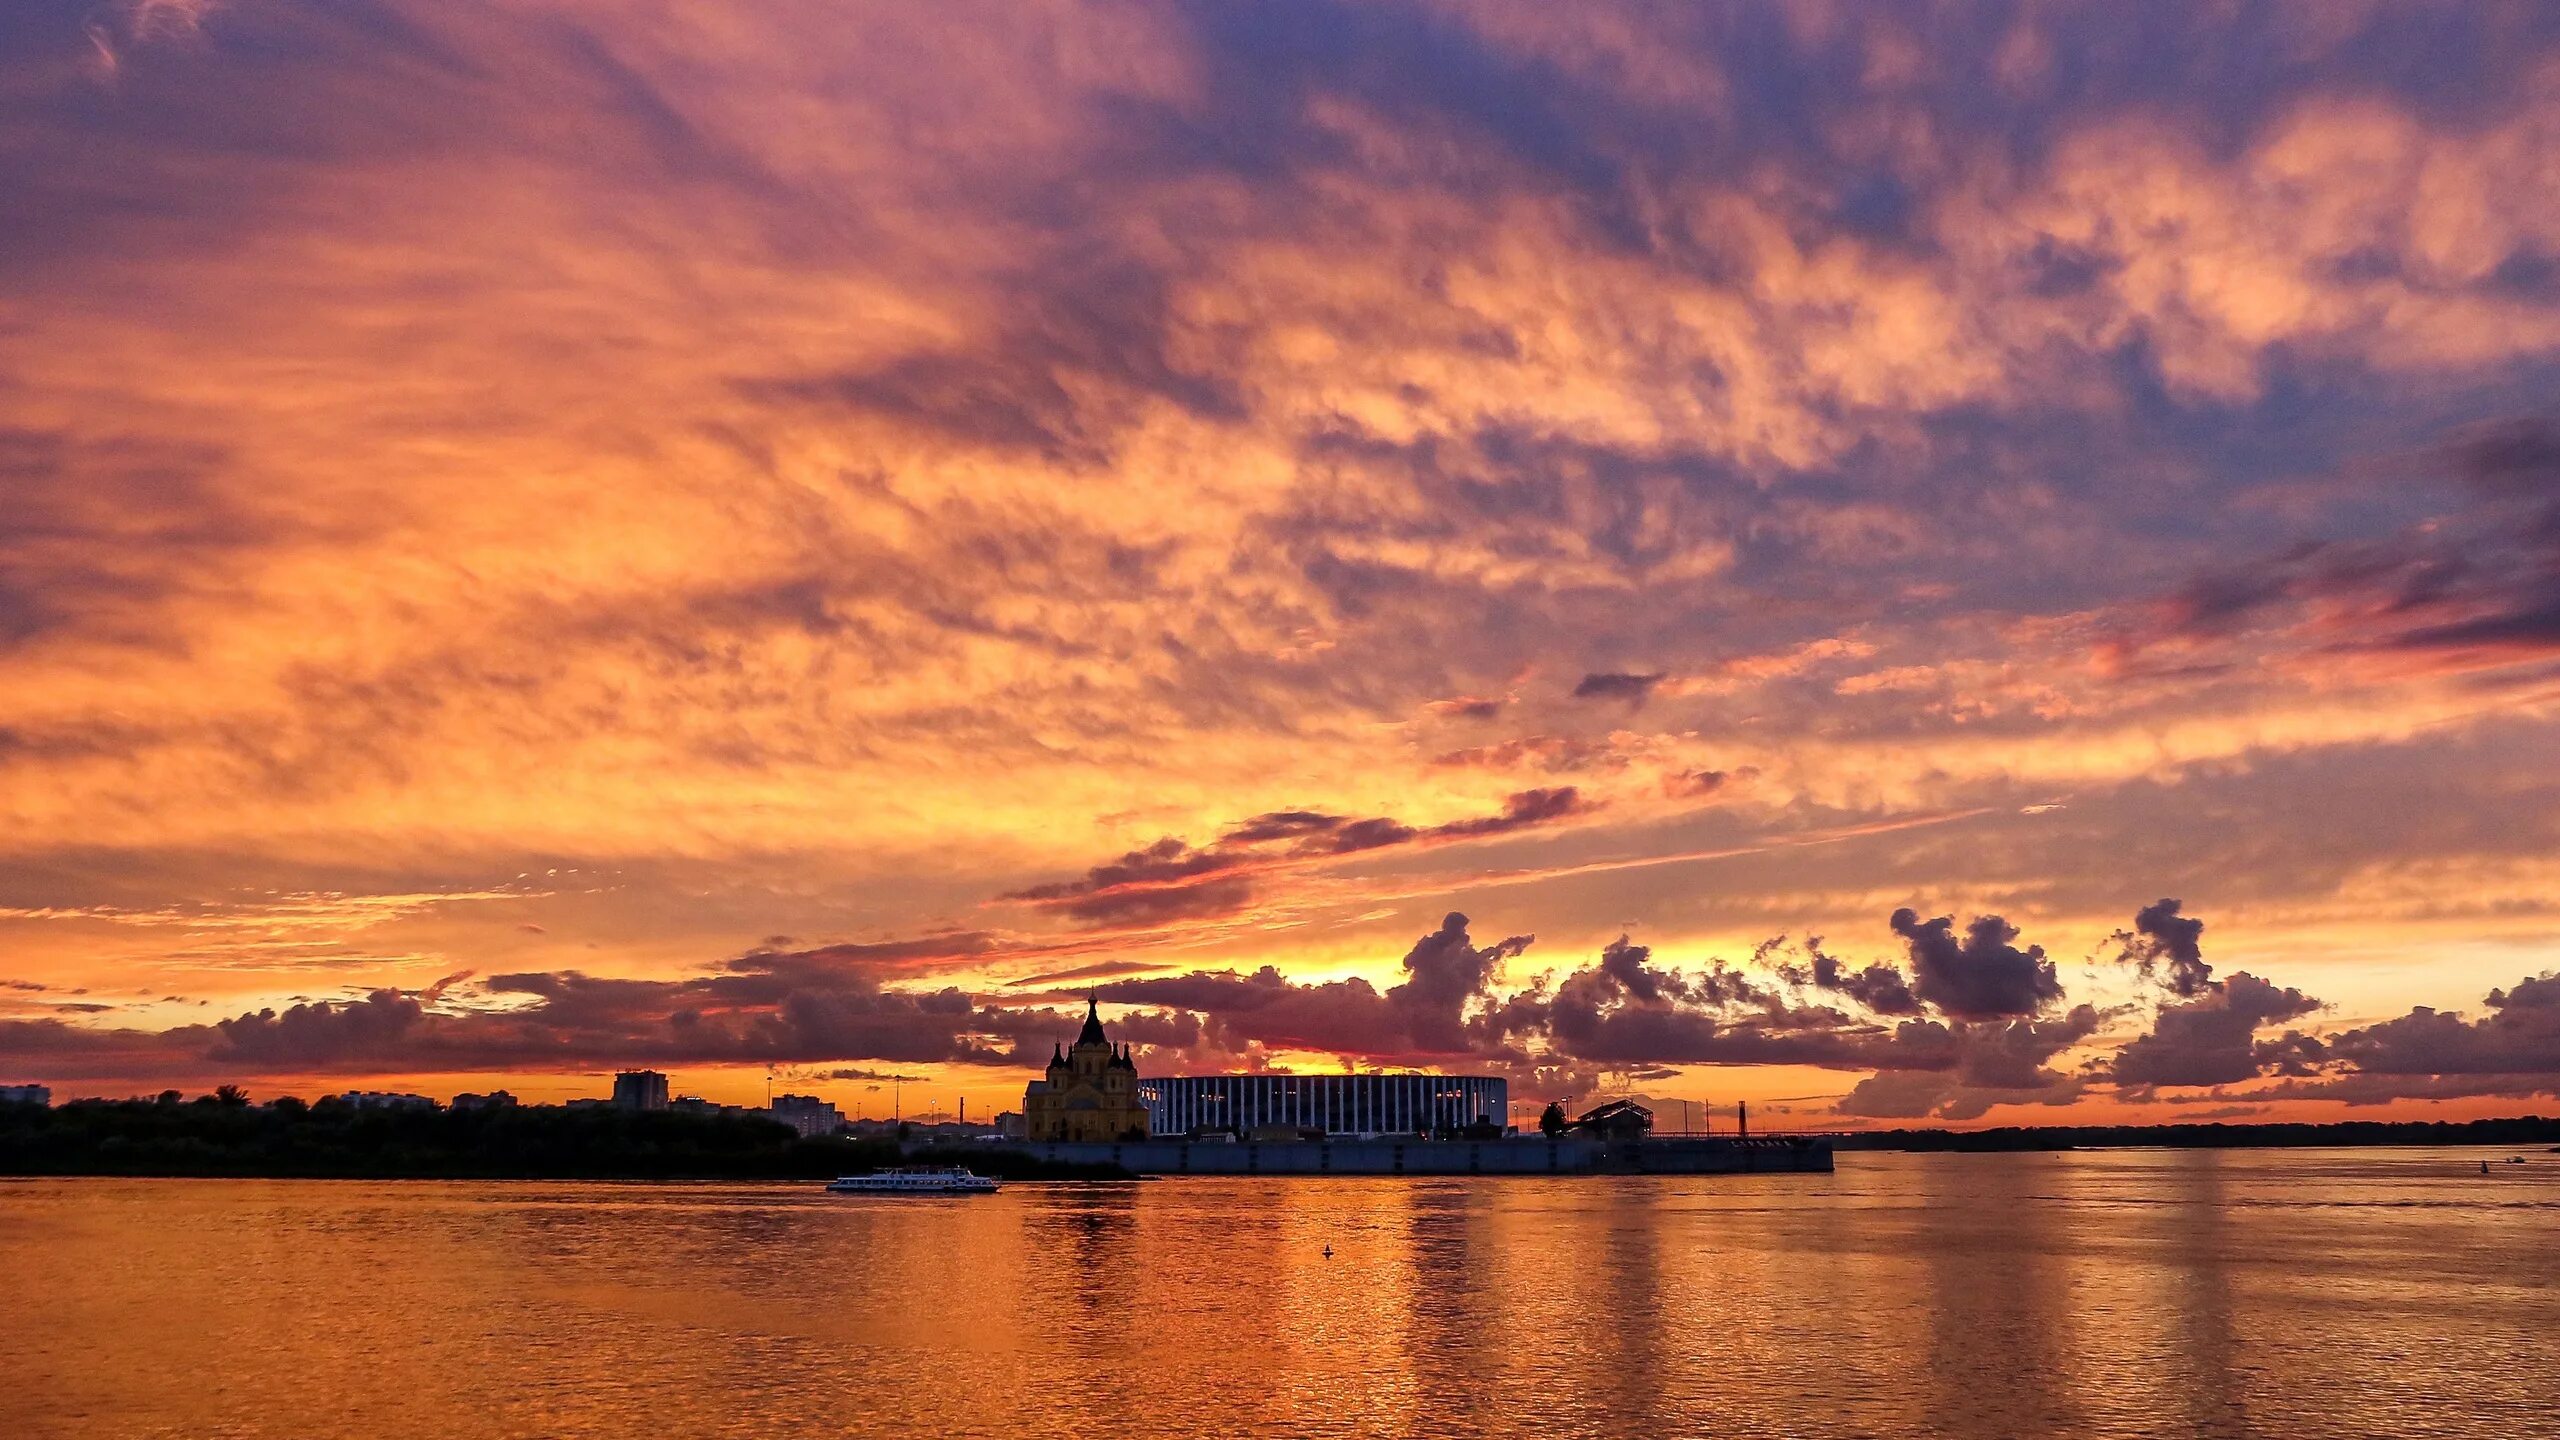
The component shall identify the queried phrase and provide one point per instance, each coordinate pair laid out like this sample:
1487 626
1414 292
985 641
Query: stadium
1334 1104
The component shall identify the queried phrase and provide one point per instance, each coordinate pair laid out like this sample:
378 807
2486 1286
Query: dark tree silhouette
1551 1121
333 1138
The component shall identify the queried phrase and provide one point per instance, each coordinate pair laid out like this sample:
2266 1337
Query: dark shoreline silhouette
213 1138
2519 1130
332 1140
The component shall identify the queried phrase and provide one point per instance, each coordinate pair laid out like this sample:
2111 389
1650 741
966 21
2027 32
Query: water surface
2132 1293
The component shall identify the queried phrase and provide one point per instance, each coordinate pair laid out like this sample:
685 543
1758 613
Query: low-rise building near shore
26 1095
384 1100
696 1105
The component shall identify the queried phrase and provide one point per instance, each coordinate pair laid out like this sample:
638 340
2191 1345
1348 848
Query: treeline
228 1137
2521 1131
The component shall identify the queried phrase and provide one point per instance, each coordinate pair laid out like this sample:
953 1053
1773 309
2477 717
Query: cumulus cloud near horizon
1939 1051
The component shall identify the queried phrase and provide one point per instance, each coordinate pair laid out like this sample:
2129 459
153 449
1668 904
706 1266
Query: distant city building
818 1124
696 1105
384 1100
1009 1124
640 1090
26 1095
1090 1092
473 1100
808 1114
1333 1104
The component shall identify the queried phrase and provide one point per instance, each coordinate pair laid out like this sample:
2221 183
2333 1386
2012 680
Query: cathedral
1090 1093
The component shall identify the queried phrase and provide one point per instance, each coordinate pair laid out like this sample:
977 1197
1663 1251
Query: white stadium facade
1335 1104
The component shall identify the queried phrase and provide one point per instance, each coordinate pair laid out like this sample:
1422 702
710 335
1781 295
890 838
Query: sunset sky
540 538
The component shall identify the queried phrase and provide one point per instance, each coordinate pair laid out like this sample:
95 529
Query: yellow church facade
1090 1093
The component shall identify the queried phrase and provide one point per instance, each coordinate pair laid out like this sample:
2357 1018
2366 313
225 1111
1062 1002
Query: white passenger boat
915 1180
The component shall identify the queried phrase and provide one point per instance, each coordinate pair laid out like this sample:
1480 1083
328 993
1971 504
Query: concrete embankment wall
1810 1155
1571 1155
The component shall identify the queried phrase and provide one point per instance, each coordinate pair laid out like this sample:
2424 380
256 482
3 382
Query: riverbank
209 1138
2520 1131
326 1141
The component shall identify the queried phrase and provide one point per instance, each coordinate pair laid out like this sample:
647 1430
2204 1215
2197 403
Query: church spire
1091 1034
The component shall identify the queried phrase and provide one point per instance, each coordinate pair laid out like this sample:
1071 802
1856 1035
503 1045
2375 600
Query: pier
1413 1155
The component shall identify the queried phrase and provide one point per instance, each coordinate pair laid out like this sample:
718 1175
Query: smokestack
1742 1119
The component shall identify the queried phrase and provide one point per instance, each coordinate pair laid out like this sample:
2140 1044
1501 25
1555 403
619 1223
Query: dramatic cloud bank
1937 1050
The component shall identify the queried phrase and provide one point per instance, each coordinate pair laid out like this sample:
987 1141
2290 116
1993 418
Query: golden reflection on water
2128 1293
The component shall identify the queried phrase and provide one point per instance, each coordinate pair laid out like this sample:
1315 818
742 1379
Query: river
2126 1293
